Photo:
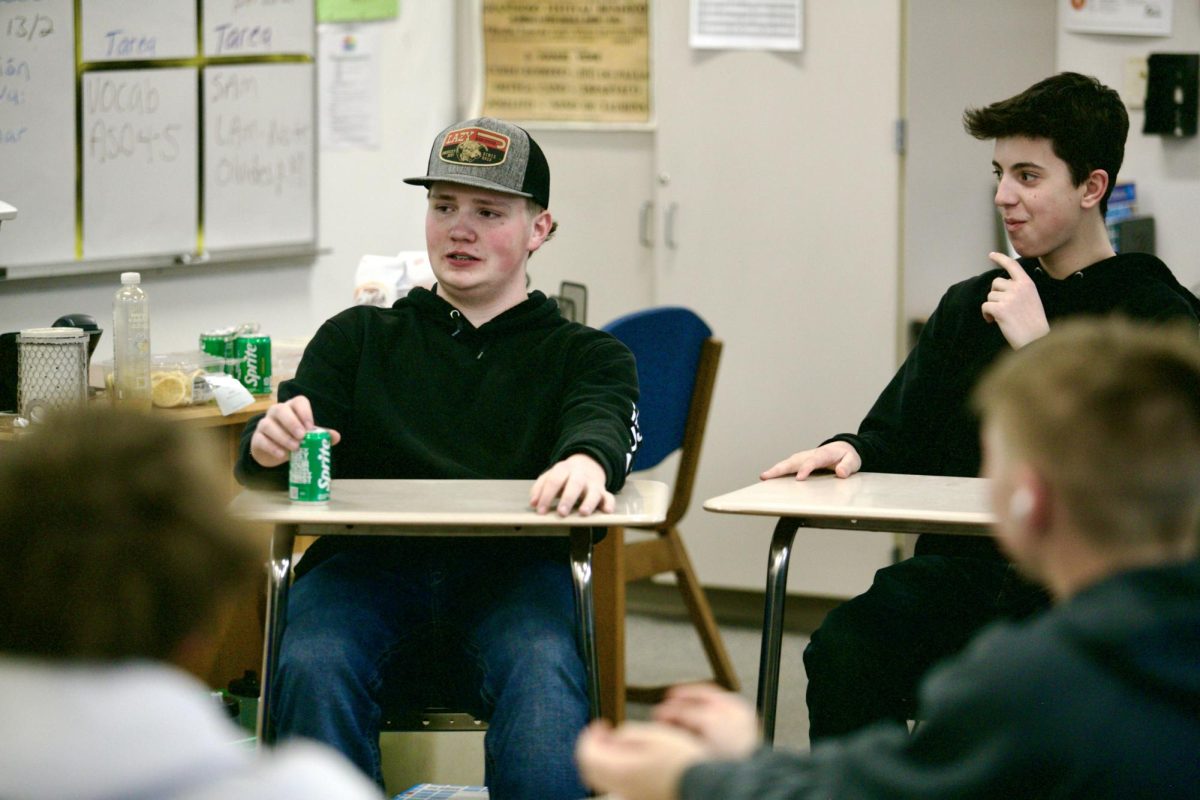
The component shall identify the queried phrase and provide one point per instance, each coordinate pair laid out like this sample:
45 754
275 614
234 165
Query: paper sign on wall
1121 17
747 24
349 75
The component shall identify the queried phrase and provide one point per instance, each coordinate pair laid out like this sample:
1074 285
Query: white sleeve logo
635 438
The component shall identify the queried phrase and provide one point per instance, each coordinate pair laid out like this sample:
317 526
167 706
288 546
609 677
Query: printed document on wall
349 71
1116 17
747 25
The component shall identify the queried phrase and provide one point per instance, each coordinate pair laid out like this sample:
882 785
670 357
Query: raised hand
1014 304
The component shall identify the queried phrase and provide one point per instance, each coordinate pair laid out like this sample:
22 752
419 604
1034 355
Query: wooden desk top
868 500
205 415
445 503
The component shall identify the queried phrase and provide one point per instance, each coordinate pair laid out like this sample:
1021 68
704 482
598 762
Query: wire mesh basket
52 370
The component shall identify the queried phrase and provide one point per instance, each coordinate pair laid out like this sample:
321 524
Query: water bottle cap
128 278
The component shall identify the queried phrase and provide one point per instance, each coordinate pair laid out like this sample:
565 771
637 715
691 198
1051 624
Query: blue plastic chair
677 360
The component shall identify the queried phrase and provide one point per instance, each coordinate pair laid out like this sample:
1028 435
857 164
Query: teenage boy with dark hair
1092 445
117 569
1058 147
475 379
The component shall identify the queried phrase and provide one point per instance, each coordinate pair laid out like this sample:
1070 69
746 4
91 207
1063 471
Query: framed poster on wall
581 62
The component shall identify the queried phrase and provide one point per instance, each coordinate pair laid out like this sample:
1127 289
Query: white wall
950 220
363 209
1166 170
600 180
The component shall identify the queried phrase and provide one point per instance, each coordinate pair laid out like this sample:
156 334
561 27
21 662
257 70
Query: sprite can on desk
308 472
220 343
253 354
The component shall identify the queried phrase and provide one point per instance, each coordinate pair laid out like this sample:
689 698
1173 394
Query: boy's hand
578 478
637 761
279 433
841 457
724 722
1014 304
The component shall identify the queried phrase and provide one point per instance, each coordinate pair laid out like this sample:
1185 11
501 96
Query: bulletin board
155 132
582 62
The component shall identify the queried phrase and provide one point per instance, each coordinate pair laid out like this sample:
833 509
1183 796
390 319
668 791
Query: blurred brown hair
1108 412
114 542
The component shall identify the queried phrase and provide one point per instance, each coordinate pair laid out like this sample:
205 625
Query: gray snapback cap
491 154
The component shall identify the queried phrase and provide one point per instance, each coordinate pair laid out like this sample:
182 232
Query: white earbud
1020 504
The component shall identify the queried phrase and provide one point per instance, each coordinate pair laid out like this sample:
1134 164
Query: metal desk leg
581 574
279 571
768 663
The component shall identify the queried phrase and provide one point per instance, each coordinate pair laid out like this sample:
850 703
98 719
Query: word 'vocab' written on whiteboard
182 124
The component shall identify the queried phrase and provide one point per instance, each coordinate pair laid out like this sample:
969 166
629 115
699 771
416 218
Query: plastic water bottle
131 343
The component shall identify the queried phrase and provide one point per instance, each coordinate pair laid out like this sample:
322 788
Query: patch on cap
475 147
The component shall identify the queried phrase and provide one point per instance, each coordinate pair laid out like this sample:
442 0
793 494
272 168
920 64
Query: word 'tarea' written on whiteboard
258 155
37 129
118 30
257 27
139 162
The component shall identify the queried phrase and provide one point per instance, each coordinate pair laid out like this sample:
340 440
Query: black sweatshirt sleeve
326 377
982 740
599 409
895 436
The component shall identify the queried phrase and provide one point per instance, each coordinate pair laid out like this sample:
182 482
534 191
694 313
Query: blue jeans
382 611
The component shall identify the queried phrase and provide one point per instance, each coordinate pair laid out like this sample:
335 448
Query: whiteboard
140 162
102 132
259 176
126 30
37 129
258 27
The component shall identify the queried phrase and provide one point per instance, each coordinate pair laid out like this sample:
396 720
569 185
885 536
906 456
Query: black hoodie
416 391
1096 699
922 423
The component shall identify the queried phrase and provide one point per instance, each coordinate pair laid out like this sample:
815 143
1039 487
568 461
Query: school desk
865 501
444 508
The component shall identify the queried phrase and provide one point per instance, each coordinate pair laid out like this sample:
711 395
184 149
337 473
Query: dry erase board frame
155 133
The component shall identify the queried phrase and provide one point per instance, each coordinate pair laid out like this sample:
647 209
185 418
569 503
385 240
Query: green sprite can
220 343
253 354
308 472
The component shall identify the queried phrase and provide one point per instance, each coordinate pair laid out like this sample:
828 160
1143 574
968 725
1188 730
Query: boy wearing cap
1092 440
1058 147
475 379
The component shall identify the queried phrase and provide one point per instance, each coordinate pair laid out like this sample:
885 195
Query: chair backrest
576 295
676 366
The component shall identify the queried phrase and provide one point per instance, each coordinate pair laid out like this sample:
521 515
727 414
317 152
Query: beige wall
1166 170
959 54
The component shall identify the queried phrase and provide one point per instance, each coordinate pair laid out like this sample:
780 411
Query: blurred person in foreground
1091 441
118 571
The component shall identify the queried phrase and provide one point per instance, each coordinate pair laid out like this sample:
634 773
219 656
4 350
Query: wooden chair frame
664 553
